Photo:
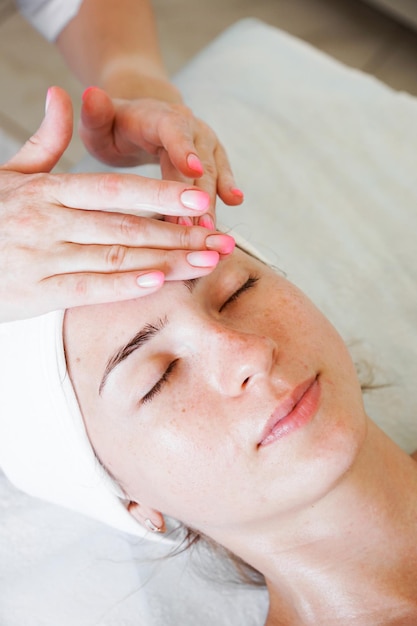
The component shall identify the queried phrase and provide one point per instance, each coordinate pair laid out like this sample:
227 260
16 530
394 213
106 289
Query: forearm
113 44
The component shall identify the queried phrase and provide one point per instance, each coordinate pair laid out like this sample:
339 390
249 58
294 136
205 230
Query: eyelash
251 282
158 386
248 284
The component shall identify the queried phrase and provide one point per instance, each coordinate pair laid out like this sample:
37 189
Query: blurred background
376 36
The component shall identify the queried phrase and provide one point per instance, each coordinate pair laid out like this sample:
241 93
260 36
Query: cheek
314 338
170 457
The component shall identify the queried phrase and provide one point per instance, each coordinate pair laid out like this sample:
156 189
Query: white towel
44 447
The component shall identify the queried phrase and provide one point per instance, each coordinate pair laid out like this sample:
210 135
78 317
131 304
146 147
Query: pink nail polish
207 258
150 280
222 243
195 199
207 222
237 192
194 163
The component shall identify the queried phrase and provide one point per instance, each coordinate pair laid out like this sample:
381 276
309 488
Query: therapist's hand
132 132
70 240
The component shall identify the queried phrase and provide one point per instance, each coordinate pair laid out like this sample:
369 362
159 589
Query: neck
352 557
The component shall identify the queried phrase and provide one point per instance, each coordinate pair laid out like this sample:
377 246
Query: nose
237 361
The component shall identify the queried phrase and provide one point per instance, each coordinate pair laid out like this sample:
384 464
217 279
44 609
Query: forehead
100 328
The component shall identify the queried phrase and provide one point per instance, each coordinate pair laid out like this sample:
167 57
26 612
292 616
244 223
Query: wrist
131 82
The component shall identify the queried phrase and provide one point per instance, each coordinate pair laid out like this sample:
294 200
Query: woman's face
223 402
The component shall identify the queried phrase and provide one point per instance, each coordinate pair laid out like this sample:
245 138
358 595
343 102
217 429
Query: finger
207 182
173 219
207 220
128 193
169 172
96 120
163 127
188 141
217 180
175 264
207 158
226 185
183 153
94 227
44 149
69 290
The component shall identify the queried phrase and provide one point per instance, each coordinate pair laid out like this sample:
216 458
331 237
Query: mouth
293 412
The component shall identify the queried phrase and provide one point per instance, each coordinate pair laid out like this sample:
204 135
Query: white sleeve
49 16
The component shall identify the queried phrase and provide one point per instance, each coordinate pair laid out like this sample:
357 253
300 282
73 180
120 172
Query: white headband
44 447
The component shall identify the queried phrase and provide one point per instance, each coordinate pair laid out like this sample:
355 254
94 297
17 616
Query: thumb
44 149
96 120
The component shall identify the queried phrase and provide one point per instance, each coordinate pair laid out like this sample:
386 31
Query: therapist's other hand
68 239
132 132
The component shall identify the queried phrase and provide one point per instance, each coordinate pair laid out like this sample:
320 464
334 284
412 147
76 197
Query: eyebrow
137 341
191 283
148 332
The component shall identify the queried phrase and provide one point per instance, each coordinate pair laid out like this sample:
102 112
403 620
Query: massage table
327 158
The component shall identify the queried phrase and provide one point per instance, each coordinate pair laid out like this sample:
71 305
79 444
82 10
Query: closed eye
156 389
158 386
251 282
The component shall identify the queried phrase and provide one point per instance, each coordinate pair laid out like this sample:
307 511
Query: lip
293 412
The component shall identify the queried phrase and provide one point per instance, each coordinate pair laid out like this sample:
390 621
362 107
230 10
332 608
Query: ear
151 519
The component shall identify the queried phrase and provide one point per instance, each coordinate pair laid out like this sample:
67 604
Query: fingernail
150 280
47 100
194 163
237 192
207 222
185 221
86 91
195 199
203 259
222 243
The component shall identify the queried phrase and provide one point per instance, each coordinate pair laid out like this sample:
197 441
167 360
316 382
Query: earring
151 526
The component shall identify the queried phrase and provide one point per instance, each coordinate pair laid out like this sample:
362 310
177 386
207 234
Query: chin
336 437
339 449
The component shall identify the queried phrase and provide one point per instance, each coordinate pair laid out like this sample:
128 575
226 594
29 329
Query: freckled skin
192 452
316 511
